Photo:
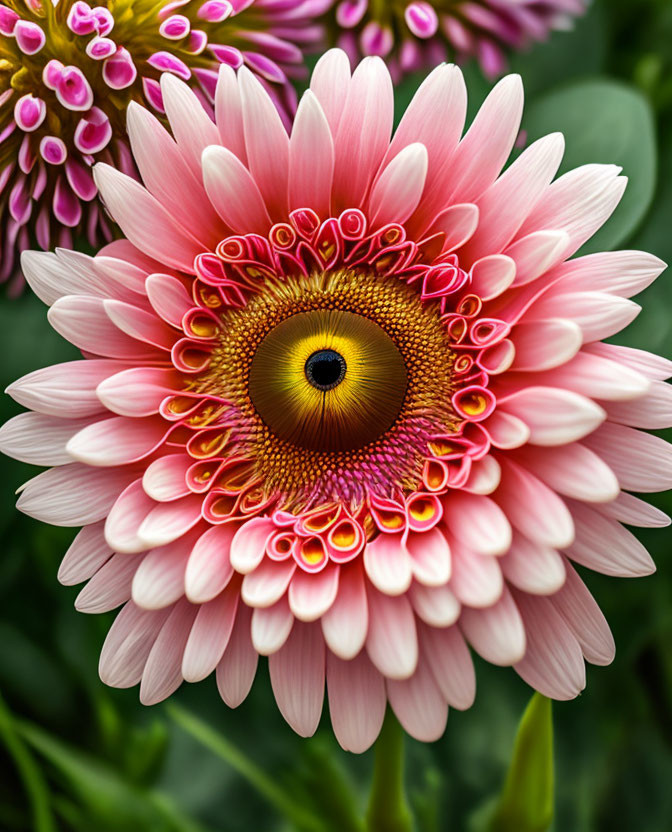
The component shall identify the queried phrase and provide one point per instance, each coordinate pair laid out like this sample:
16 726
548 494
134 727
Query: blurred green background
78 756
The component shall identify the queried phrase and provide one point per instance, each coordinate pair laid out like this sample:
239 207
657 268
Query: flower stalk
388 809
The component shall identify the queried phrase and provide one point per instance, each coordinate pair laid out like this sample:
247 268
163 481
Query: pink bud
93 132
152 90
53 150
100 48
67 207
350 13
175 27
103 19
215 11
169 8
376 39
198 40
73 90
29 112
29 37
80 20
421 19
20 205
8 19
27 155
51 74
80 180
119 71
165 62
227 55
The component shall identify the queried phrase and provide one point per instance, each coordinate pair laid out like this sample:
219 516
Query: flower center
328 380
335 385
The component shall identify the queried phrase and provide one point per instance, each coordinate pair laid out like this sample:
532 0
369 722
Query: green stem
388 807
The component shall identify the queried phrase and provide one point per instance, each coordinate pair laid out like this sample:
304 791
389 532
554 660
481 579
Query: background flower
69 69
414 34
226 523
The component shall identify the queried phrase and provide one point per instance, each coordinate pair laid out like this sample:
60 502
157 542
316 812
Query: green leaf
109 801
29 772
278 797
526 801
607 122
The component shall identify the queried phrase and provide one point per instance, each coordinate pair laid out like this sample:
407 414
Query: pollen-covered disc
328 380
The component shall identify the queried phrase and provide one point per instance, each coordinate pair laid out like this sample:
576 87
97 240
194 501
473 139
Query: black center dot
325 369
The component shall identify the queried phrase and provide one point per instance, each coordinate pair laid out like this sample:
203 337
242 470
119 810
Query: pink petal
497 632
128 644
345 624
233 192
476 579
397 191
209 568
532 567
450 662
388 564
110 586
271 626
477 522
419 704
585 619
87 553
311 595
267 583
297 673
236 670
357 701
72 495
543 345
229 112
189 122
554 417
209 636
159 580
311 158
553 662
137 391
249 544
330 83
391 642
430 557
363 133
163 672
266 142
38 439
145 222
435 605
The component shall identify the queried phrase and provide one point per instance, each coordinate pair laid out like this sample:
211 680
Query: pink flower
66 78
414 34
344 402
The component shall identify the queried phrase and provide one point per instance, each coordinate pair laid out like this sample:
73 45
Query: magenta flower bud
421 19
100 48
80 19
93 132
152 91
166 62
29 37
227 54
376 40
349 13
215 11
119 71
8 19
103 19
51 74
198 40
29 112
73 90
20 206
175 27
53 150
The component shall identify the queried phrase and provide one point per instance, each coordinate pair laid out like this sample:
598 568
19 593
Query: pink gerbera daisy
415 34
68 70
344 403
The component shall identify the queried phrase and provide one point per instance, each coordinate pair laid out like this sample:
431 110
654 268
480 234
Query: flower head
414 34
344 403
69 69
